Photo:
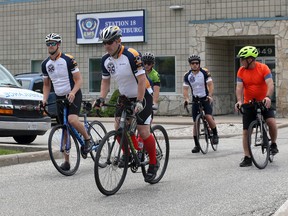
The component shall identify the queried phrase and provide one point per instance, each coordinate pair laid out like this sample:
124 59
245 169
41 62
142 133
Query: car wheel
25 139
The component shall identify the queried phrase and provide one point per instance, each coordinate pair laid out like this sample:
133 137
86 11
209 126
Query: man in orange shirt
254 80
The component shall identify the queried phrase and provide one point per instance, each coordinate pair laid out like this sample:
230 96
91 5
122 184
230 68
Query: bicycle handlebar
256 104
86 105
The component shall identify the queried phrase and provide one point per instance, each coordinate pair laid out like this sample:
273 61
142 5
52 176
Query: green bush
108 111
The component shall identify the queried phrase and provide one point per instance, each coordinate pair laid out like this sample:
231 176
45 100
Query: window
95 75
166 68
164 65
36 65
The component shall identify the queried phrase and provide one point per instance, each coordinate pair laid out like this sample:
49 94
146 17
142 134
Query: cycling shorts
145 116
207 107
73 108
250 114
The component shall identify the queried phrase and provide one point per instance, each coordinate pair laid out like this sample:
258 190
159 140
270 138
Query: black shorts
146 114
208 109
73 108
250 114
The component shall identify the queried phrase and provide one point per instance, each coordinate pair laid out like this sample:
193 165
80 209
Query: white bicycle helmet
148 57
110 33
53 37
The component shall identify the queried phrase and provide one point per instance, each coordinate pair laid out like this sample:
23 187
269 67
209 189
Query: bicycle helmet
194 58
53 37
148 57
110 33
248 51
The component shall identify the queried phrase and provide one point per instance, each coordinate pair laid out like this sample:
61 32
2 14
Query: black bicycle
204 133
259 140
116 143
64 138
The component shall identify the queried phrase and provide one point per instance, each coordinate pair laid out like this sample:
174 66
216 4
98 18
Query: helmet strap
115 54
249 63
51 54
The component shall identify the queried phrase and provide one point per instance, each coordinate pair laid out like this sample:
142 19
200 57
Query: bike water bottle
140 143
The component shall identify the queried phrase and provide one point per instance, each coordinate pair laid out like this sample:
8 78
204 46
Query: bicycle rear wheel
162 153
68 151
97 131
258 145
109 175
202 134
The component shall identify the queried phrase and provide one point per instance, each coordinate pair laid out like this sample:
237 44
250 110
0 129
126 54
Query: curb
283 210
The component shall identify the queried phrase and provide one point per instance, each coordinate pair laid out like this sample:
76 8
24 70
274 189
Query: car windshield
6 78
25 83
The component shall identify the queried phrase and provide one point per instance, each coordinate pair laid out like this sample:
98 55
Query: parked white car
20 116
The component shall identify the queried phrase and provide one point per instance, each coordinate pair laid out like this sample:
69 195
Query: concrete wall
209 28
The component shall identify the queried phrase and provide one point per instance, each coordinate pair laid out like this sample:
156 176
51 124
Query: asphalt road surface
194 184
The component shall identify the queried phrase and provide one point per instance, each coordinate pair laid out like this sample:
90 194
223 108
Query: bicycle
116 143
259 140
64 139
204 133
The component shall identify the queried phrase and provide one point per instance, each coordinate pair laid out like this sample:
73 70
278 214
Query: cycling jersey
124 70
60 72
254 81
198 82
154 77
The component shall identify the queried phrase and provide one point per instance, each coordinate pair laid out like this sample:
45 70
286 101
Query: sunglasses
108 42
196 63
51 44
148 63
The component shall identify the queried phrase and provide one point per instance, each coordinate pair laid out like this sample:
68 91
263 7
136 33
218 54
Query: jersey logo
191 79
51 68
111 68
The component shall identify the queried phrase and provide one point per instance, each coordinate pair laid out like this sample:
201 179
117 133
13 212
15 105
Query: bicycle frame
69 128
202 115
125 133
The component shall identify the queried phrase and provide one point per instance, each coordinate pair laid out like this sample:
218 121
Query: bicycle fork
65 145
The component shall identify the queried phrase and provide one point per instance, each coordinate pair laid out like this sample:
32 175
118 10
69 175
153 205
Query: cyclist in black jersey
201 84
65 75
148 59
125 66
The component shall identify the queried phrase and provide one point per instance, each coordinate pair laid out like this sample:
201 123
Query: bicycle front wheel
162 153
202 134
258 145
63 148
109 171
97 131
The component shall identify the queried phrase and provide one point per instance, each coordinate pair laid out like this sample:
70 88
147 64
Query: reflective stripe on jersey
124 70
197 82
60 72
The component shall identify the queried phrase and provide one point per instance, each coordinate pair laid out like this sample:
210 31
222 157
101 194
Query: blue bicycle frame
78 136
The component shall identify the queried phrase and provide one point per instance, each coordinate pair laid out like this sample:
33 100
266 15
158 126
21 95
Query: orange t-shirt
254 81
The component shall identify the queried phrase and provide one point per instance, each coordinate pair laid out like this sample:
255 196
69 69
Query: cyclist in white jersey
125 66
201 84
64 73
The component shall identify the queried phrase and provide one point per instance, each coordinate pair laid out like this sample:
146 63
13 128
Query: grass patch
8 151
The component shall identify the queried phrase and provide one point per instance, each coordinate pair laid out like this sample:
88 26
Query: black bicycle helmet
148 57
194 58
